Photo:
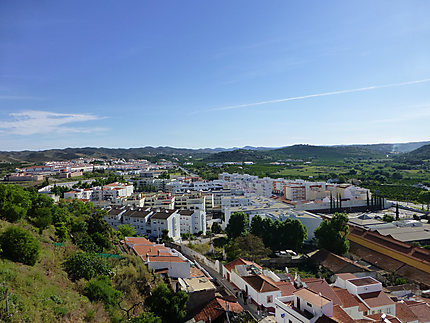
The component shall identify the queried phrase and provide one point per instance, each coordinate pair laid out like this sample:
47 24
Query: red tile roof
237 262
319 285
138 241
346 298
261 283
286 288
404 313
376 299
215 308
421 310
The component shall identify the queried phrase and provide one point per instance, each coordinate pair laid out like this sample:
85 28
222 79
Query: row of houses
349 299
153 221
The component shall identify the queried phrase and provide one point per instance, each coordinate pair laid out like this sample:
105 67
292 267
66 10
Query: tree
85 265
237 225
127 230
14 202
42 218
171 307
332 234
257 226
18 244
424 197
61 231
249 246
100 289
216 228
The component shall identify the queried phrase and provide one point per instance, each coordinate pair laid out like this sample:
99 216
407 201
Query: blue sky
213 74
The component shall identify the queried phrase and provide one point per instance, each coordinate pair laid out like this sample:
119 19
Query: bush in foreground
18 244
100 289
86 265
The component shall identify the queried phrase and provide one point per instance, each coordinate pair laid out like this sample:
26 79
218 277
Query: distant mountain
296 152
216 154
392 148
416 156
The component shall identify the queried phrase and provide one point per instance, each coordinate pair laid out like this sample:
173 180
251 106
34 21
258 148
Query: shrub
100 289
18 244
85 265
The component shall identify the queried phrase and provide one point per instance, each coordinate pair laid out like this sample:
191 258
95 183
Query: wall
391 253
176 269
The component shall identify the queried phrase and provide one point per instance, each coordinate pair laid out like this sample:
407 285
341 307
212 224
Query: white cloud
33 122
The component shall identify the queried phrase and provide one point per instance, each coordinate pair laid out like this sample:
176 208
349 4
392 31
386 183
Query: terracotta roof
364 281
319 285
165 259
421 310
416 253
346 298
138 241
153 250
376 299
339 315
261 283
346 276
286 288
237 262
215 308
312 297
377 318
335 263
404 313
385 262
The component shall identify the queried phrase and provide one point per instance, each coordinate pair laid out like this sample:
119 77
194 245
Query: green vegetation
277 235
237 225
19 245
52 274
216 228
126 230
86 265
332 234
249 247
100 289
168 305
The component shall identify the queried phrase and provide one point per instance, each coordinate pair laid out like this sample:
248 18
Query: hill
416 156
305 152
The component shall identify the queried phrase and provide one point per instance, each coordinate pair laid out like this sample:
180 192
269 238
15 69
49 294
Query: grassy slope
44 293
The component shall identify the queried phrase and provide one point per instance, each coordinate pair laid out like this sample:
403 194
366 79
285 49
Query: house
254 282
160 258
192 221
215 311
164 219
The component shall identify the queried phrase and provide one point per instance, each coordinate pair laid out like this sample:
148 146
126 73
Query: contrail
361 89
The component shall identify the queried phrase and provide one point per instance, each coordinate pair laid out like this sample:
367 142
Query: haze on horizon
196 75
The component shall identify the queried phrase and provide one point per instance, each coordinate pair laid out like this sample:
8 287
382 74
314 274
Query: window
269 299
309 304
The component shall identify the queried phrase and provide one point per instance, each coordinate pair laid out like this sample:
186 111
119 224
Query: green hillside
305 152
53 268
416 156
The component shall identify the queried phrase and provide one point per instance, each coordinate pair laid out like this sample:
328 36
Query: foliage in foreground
85 265
170 306
18 244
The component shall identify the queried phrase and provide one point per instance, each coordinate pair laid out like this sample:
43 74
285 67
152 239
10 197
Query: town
192 232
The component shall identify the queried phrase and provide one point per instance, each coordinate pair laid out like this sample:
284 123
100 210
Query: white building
192 221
